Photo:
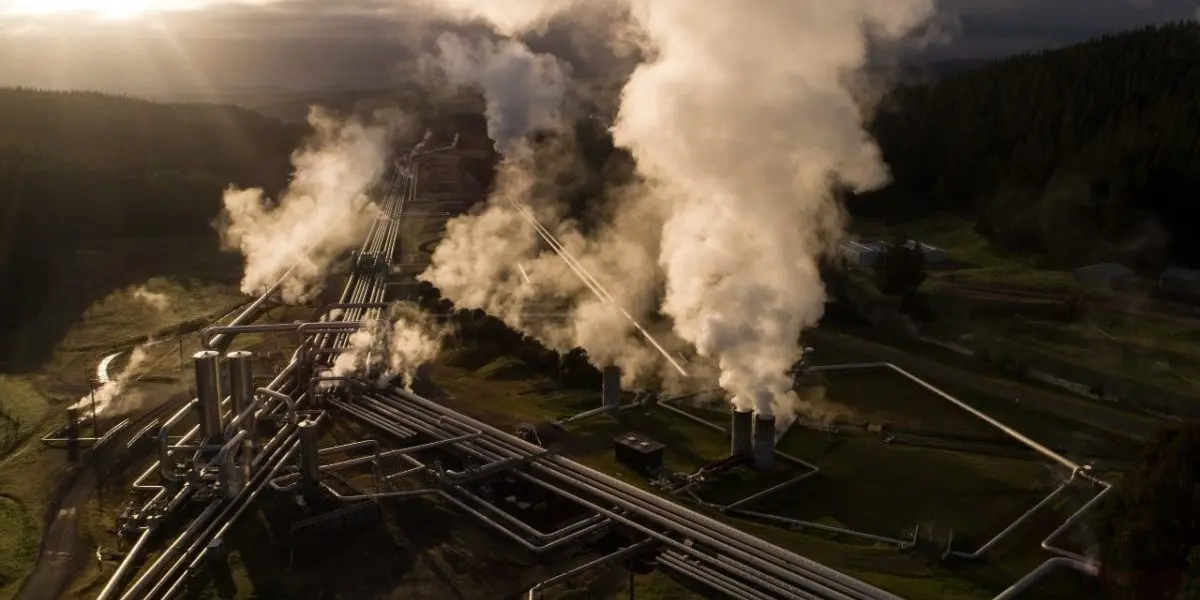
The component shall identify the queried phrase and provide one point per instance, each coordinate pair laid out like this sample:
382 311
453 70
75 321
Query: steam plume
156 300
324 212
112 396
523 90
392 347
744 121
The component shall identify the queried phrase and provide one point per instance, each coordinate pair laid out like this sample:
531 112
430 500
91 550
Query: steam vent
764 442
741 440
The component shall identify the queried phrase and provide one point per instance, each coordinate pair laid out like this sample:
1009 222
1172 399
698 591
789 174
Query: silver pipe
524 543
286 399
1016 523
771 490
585 414
829 528
164 443
1047 544
536 534
110 588
648 513
377 496
717 581
1044 451
607 558
1043 570
736 543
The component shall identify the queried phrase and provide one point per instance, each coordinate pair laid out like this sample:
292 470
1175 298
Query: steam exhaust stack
208 395
611 393
741 441
310 468
241 382
764 442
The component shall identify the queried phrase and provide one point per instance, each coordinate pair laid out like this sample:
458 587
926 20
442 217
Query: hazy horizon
227 46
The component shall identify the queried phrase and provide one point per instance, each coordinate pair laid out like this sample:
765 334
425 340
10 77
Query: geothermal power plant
255 431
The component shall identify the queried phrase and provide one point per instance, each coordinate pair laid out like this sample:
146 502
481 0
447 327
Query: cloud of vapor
113 397
523 90
739 152
324 212
494 260
156 300
390 348
746 150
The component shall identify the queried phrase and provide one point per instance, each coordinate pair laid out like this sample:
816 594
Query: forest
79 166
1081 154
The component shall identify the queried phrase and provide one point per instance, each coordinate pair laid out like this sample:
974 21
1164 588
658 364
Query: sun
118 10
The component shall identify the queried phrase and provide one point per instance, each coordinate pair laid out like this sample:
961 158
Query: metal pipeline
721 582
830 528
286 399
623 552
1047 544
1045 569
377 496
164 442
299 329
540 536
749 549
1016 523
249 314
524 543
731 541
374 458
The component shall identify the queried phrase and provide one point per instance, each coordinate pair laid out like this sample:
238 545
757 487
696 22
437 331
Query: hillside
1074 155
77 169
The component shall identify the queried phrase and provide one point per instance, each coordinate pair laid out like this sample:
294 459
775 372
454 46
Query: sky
195 46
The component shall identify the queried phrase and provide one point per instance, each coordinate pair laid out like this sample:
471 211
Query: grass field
865 484
112 296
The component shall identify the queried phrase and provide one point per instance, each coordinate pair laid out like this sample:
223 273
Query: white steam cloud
324 212
523 90
113 396
744 119
156 300
396 346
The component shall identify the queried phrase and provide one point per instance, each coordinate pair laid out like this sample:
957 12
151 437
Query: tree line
1085 153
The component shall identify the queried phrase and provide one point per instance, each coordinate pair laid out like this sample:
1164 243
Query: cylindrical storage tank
208 395
764 442
741 440
611 380
310 468
241 384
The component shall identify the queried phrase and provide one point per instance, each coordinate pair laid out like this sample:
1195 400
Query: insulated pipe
356 497
830 528
780 558
286 399
771 490
741 427
715 581
540 536
771 559
1047 544
1045 569
524 543
249 314
164 442
208 394
607 558
381 455
298 328
348 305
1044 451
1013 526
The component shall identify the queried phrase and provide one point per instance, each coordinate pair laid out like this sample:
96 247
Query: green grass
18 540
957 236
22 410
864 484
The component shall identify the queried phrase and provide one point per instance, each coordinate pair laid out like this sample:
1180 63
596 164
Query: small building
1105 276
1178 281
864 254
931 255
639 452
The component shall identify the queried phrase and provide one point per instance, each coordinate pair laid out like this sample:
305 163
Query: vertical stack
208 395
741 441
764 442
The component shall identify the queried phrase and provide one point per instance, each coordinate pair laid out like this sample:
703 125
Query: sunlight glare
122 10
